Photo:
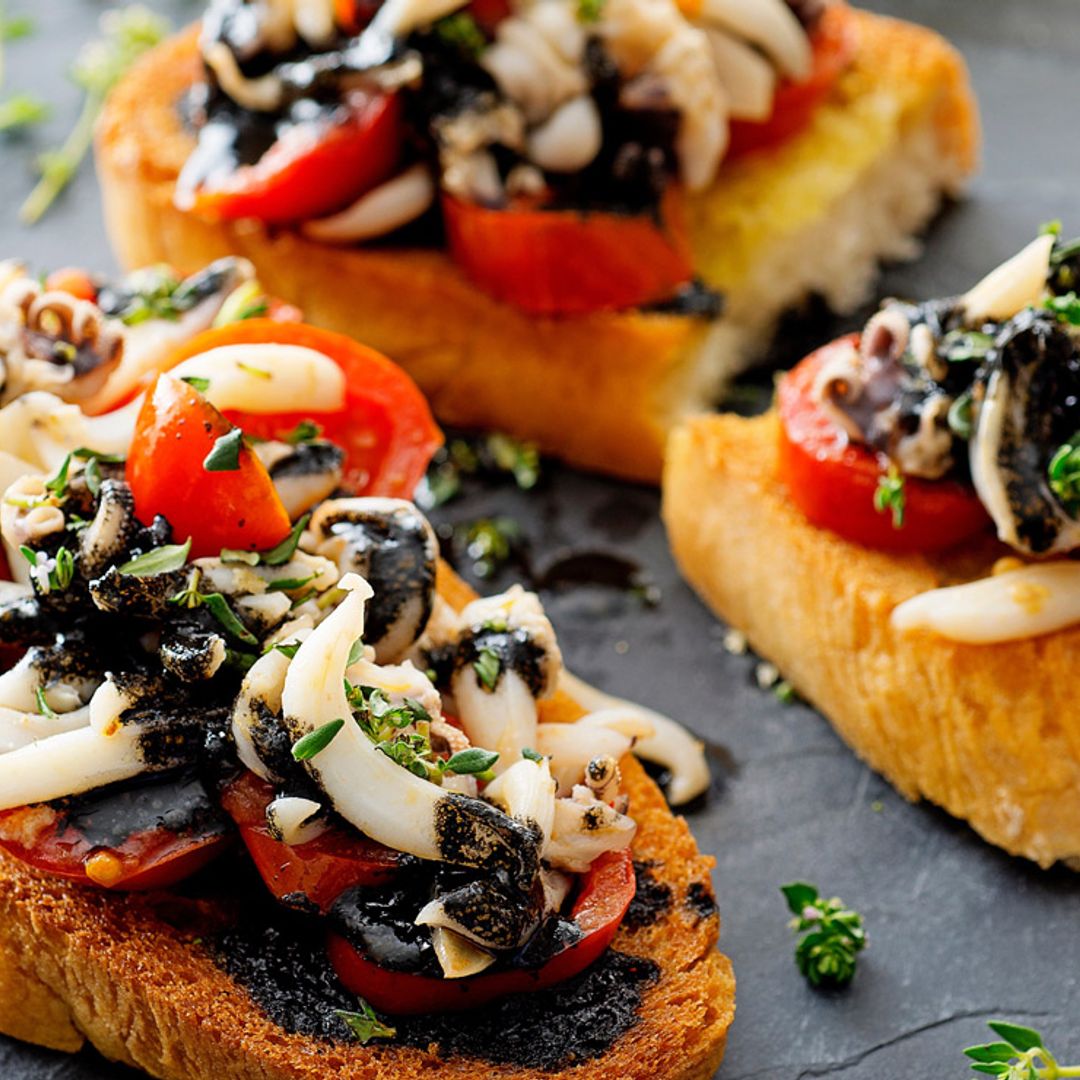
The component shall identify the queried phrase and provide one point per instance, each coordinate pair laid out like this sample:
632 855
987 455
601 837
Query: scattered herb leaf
1063 474
365 1025
462 32
834 935
471 762
532 755
891 495
283 552
304 432
43 706
488 667
225 455
162 560
1021 1056
196 381
246 301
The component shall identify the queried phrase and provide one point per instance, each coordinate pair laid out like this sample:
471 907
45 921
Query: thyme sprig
1020 1055
891 495
126 33
833 935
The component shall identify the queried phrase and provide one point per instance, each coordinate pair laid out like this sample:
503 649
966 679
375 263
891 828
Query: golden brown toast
989 732
600 391
135 975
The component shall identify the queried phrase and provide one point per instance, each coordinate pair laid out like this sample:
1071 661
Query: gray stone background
959 932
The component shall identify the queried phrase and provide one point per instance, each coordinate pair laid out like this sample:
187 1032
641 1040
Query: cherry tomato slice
833 481
313 169
569 262
75 282
175 431
386 427
835 42
605 895
151 858
321 869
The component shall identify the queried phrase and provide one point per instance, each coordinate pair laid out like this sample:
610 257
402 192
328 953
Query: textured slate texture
959 932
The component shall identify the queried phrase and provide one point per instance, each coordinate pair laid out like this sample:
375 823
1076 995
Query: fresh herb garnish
961 346
960 418
891 495
162 560
785 693
21 111
1066 308
589 11
57 486
532 755
833 935
246 301
304 432
126 34
225 455
16 26
192 597
1021 1055
251 369
197 382
461 31
57 571
356 653
290 584
283 552
488 667
493 456
43 706
489 542
290 649
365 1025
472 762
1063 474
314 742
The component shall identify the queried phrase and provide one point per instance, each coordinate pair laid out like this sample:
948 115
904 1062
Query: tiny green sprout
1020 1055
21 111
197 382
1065 307
833 935
532 755
305 431
364 1024
1063 474
225 454
461 31
488 667
43 707
126 33
891 496
1051 228
247 301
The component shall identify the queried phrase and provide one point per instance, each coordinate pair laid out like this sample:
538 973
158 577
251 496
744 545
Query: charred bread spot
554 1029
652 899
516 650
283 968
700 901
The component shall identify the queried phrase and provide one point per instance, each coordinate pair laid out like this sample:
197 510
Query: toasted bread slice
600 391
989 732
134 975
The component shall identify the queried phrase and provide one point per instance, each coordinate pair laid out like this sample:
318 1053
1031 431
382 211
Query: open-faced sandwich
568 220
850 532
227 638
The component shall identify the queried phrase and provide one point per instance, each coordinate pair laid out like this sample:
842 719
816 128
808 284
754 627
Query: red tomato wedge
605 895
386 427
177 428
321 869
74 282
570 262
835 42
833 481
313 169
150 859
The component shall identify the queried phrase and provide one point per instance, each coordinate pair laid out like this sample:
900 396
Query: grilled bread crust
989 732
600 391
129 974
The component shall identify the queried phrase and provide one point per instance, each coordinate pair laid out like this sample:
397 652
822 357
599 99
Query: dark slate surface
959 932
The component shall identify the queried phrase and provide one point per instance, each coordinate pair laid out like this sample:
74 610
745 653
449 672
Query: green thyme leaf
246 301
219 607
290 649
1018 1037
1051 228
1066 308
21 111
356 652
43 706
306 431
462 32
472 761
162 560
891 495
196 381
283 552
960 419
532 755
314 742
1063 474
961 346
365 1025
57 486
589 11
250 369
488 667
833 935
290 584
65 569
225 455
988 1052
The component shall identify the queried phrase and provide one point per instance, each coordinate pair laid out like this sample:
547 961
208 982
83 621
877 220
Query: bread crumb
766 674
735 642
